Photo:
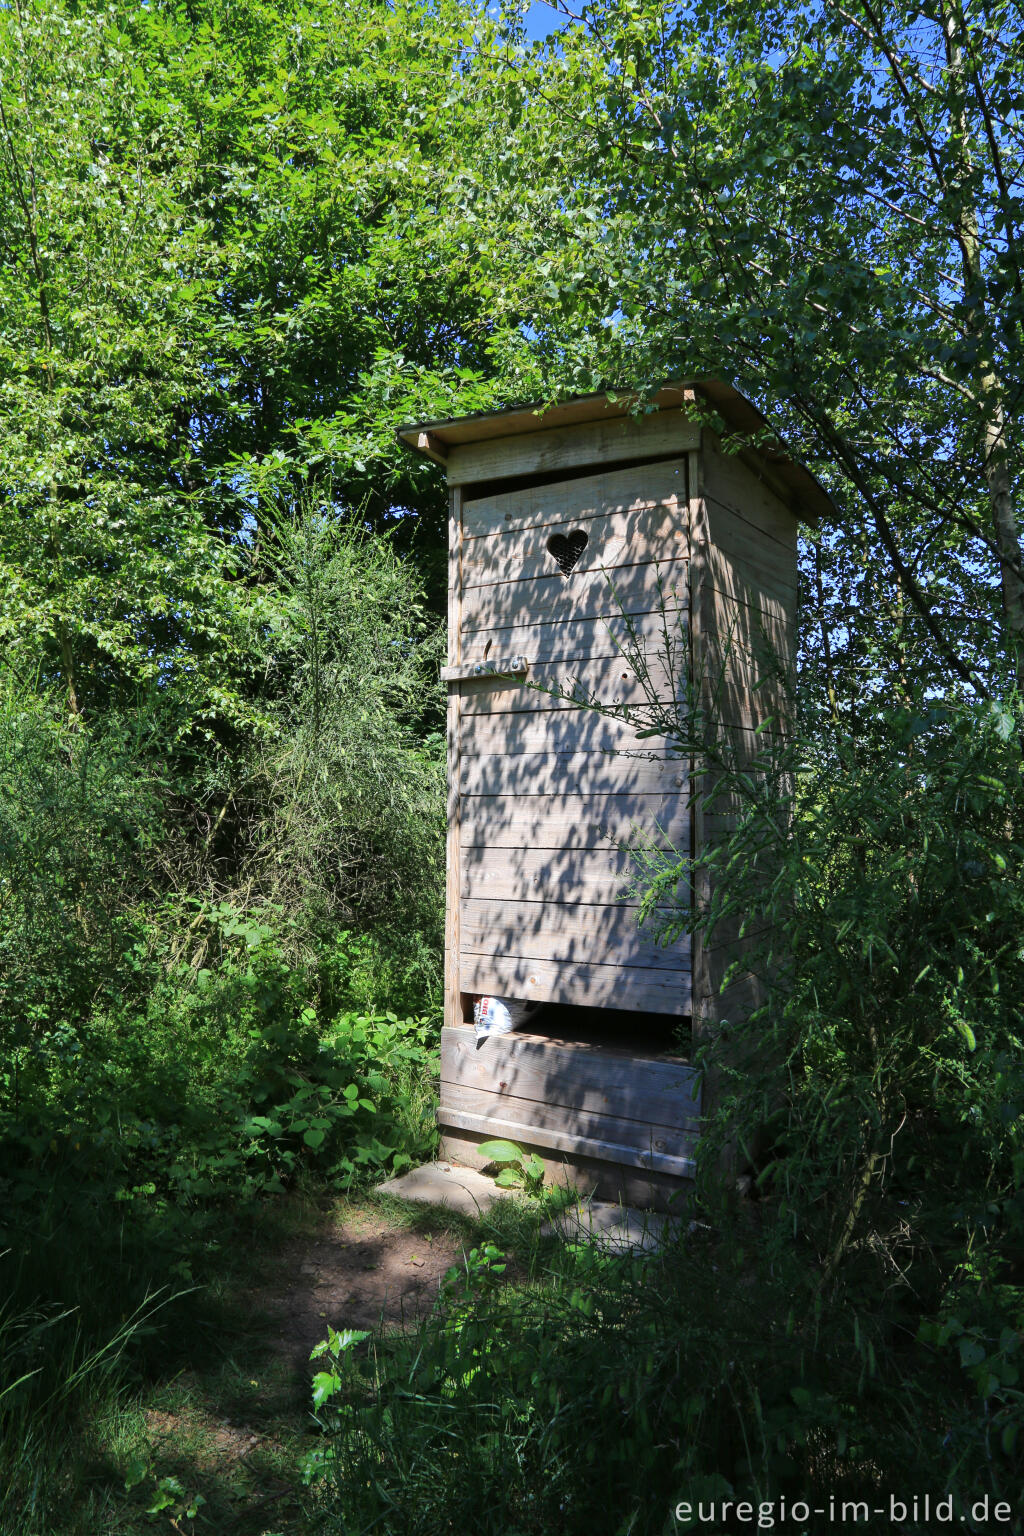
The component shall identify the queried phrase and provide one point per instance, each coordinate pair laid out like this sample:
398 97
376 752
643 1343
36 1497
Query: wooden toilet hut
567 528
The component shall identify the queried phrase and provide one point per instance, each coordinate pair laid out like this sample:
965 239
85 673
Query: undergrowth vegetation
202 997
630 1385
853 1329
240 244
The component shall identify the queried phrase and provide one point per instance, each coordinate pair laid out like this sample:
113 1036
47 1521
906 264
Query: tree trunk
997 478
993 426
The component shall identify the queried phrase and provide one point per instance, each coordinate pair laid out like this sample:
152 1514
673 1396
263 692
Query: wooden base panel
620 1118
591 1176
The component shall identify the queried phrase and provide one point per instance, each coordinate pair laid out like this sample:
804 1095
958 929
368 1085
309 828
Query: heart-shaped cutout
567 550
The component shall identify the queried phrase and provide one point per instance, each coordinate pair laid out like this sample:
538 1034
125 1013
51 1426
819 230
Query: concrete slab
617 1228
604 1223
460 1189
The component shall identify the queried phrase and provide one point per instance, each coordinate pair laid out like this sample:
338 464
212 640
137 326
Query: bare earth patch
356 1271
236 1425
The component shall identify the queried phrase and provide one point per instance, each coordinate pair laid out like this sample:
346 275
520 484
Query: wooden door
544 800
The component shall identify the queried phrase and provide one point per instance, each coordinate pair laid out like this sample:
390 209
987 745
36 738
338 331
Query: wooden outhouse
571 530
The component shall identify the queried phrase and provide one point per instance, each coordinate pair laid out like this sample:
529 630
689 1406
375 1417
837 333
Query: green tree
224 245
822 203
108 573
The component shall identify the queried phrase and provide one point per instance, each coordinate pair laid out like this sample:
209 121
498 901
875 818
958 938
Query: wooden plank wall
545 799
638 1111
453 1005
554 450
744 655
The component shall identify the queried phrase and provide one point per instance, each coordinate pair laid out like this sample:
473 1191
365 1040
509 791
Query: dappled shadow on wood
617 1089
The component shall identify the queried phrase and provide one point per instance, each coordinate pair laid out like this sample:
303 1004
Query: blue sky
541 21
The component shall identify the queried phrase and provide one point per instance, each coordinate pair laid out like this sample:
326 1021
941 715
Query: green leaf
500 1151
169 1491
325 1385
348 1338
968 1034
136 1472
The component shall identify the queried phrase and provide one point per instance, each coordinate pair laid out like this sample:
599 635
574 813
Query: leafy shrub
863 1316
80 821
890 1064
227 1088
621 1386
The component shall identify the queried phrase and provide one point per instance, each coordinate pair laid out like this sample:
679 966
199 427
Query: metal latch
516 666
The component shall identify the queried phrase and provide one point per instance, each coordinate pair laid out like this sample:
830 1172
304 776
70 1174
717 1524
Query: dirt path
355 1270
235 1424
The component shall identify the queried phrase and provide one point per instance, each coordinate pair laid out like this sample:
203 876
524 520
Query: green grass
160 1391
188 1395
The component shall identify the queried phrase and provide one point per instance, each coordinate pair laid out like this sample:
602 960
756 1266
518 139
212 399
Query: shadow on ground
357 1270
224 1409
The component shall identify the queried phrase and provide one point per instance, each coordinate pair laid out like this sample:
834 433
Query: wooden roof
808 497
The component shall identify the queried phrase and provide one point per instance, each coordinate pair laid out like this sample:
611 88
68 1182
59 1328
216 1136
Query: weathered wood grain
550 450
493 521
700 550
735 483
592 1177
547 874
728 623
577 1120
588 594
580 639
452 946
564 1141
743 693
552 730
731 581
770 568
616 539
739 999
598 986
571 932
575 821
564 685
550 773
663 1091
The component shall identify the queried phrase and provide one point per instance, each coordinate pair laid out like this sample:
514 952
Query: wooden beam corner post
452 937
703 1021
699 887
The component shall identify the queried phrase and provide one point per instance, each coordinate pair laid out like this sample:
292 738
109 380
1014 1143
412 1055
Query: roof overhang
434 439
